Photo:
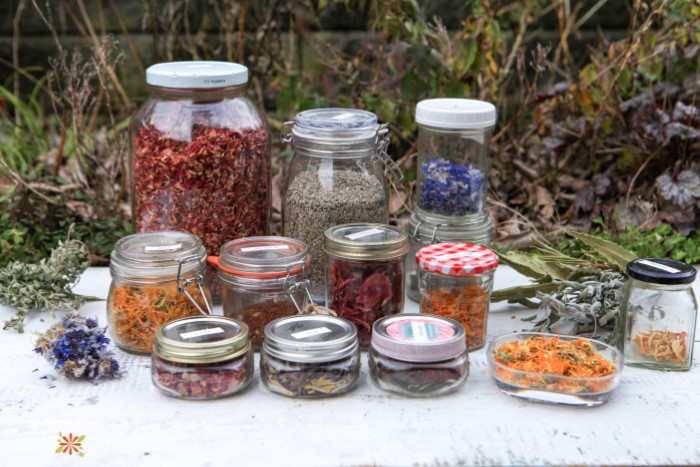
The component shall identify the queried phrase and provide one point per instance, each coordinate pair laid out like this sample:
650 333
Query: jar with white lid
156 278
660 311
336 177
453 158
310 356
456 281
202 358
365 273
200 159
418 355
262 279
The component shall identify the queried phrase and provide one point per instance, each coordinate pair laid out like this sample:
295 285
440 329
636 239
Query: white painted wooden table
652 418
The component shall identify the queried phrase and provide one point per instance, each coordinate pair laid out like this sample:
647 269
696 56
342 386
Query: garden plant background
598 104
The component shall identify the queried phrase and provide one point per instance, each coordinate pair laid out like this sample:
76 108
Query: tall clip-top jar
336 177
453 158
201 157
456 280
660 310
262 279
365 273
156 278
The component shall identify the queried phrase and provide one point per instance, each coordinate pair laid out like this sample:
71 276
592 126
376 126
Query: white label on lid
419 332
363 233
174 247
454 255
310 332
265 248
201 332
663 267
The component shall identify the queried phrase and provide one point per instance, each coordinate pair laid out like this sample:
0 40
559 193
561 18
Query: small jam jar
156 278
418 355
456 280
262 279
365 273
202 358
660 310
310 356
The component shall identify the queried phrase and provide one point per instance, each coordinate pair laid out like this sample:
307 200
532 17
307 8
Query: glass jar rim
429 230
365 241
201 339
262 257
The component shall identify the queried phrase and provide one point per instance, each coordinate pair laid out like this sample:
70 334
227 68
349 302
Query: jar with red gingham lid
456 280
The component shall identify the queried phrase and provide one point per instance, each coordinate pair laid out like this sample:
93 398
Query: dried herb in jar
467 305
663 346
260 315
308 379
451 189
419 380
364 291
201 380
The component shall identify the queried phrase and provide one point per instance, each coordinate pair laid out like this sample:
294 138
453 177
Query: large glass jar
310 356
660 310
453 158
156 278
426 231
202 358
262 279
336 177
418 355
365 273
201 156
456 280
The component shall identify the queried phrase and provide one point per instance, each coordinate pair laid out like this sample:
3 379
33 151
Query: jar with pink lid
418 355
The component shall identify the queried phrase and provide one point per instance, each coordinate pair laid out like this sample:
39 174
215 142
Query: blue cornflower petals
451 189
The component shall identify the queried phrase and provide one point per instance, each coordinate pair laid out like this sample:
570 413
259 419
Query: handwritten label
663 267
363 234
310 332
265 248
201 332
159 248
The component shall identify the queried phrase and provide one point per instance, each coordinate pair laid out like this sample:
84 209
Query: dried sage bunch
46 285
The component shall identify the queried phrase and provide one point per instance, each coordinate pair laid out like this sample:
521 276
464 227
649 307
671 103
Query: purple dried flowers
78 349
451 189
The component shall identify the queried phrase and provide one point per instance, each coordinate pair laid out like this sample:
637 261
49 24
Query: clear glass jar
418 355
336 177
156 278
310 356
428 230
365 270
200 159
456 280
660 310
453 158
202 358
262 279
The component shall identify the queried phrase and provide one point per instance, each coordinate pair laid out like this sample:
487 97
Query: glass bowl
551 388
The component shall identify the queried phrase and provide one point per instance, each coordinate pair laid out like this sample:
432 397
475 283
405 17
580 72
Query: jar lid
458 114
427 230
263 257
157 254
196 75
201 339
418 338
664 271
335 131
310 338
366 241
456 259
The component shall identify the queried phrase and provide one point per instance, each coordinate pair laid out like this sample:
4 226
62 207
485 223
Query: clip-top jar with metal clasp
263 278
660 310
156 278
336 177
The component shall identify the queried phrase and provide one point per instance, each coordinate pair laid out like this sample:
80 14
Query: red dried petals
201 381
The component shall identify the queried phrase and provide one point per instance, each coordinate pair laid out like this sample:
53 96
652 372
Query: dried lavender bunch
78 349
46 285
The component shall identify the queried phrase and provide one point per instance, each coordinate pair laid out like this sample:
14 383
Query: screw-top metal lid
263 257
457 114
429 230
365 241
456 259
201 339
664 271
157 254
418 338
310 338
196 75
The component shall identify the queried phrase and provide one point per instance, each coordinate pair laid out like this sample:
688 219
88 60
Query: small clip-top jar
456 280
418 355
310 356
453 158
263 278
202 357
660 310
365 273
156 278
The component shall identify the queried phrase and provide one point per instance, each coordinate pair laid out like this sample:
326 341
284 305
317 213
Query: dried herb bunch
46 285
